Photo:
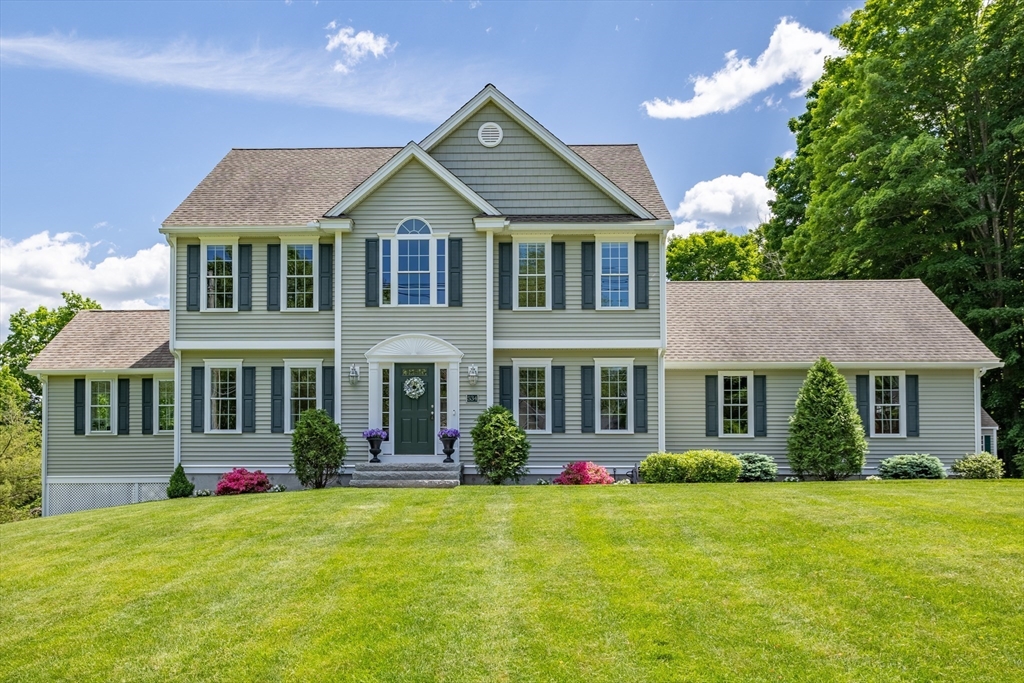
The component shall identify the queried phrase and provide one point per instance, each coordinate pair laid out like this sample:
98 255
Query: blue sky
110 113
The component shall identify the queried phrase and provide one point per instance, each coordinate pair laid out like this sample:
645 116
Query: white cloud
794 53
355 47
728 202
417 89
34 271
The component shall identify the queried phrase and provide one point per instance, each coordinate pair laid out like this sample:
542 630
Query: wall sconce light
353 374
473 373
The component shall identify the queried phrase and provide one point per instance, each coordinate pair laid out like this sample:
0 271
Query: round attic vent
490 134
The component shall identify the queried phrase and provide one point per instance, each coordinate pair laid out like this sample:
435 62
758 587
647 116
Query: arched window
414 266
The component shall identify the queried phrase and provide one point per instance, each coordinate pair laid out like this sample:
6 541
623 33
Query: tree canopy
713 255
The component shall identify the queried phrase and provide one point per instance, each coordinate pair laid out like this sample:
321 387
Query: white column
489 288
977 410
177 408
337 327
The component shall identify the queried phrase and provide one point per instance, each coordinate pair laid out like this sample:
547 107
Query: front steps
406 475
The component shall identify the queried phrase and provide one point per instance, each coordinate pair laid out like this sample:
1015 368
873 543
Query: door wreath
414 387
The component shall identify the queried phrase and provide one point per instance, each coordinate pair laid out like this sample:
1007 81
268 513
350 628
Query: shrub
690 467
826 437
500 447
873 478
241 480
979 466
203 493
180 486
318 449
915 466
792 480
663 468
757 467
579 473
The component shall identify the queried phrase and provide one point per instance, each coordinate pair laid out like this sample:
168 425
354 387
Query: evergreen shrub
180 486
318 449
979 466
500 447
757 467
913 466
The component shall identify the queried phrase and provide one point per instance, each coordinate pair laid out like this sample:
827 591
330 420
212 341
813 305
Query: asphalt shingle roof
797 321
115 340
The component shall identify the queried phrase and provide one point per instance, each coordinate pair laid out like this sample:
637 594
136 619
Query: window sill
218 310
615 308
223 431
614 431
735 436
888 436
531 308
110 433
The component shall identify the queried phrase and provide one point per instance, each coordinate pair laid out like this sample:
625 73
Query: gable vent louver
490 134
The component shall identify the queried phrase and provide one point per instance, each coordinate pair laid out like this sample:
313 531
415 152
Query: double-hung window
303 388
736 401
100 406
164 405
221 274
532 399
533 272
615 391
414 265
300 282
223 378
614 271
887 397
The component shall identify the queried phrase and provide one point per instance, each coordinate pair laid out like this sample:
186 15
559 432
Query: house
409 288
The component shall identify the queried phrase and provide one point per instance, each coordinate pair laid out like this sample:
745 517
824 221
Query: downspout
177 408
977 409
337 326
662 293
172 301
489 288
46 488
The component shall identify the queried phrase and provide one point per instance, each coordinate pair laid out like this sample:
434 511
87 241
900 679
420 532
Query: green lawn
853 581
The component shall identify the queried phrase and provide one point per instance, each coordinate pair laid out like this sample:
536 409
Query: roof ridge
292 149
882 279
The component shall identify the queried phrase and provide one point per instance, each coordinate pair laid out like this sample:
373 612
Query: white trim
490 223
45 441
545 363
661 400
638 227
287 241
480 134
156 404
592 344
493 95
663 309
749 374
842 365
222 364
978 442
177 407
173 312
409 152
489 307
613 362
337 327
89 379
531 239
255 345
902 405
113 479
453 368
393 239
218 241
630 275
413 348
300 364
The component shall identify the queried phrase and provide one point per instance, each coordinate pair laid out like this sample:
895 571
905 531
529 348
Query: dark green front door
414 416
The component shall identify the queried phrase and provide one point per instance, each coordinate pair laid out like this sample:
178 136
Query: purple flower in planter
375 434
448 434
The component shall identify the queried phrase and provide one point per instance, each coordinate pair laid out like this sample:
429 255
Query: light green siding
92 455
622 450
574 322
946 414
521 175
259 324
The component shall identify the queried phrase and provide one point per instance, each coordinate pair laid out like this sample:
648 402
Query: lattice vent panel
150 492
64 498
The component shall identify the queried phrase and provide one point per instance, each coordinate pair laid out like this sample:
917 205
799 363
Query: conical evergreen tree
180 486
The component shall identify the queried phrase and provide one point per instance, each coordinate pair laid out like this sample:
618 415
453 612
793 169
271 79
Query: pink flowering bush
580 472
242 480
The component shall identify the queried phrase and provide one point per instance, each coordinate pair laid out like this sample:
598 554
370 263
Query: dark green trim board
248 399
913 407
326 277
710 405
147 405
198 389
455 271
245 277
328 391
372 266
124 391
505 276
587 399
558 399
192 277
643 271
558 276
864 402
588 270
273 277
79 406
505 387
760 405
277 400
640 399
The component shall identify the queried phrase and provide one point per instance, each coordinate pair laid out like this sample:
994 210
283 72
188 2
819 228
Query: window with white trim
220 277
224 396
532 399
887 396
533 270
414 265
736 403
164 405
300 281
385 400
614 270
302 378
101 406
442 398
615 394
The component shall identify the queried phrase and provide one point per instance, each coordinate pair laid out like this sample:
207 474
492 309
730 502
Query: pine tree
180 486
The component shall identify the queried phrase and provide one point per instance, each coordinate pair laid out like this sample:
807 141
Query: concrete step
408 475
454 468
404 483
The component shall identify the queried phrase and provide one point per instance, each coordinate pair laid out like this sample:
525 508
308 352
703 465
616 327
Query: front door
414 412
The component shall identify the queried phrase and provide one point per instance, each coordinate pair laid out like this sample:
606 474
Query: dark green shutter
505 386
455 271
913 407
245 277
505 276
710 405
589 275
326 277
192 281
123 408
198 387
558 276
373 272
587 399
273 277
640 255
147 405
328 392
248 399
640 398
864 402
277 400
79 406
760 405
558 399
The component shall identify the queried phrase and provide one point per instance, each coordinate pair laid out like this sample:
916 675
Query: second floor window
220 281
300 278
614 275
532 274
413 266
